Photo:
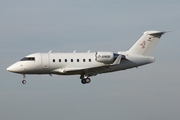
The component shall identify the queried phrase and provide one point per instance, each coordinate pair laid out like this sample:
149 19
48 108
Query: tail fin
146 44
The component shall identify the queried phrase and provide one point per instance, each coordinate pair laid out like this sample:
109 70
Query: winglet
118 60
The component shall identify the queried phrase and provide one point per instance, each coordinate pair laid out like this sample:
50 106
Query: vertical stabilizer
146 43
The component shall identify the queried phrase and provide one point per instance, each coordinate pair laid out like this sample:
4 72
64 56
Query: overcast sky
150 92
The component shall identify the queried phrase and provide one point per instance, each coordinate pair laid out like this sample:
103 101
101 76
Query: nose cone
16 68
11 68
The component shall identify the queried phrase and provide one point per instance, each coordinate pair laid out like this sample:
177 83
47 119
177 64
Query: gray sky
150 92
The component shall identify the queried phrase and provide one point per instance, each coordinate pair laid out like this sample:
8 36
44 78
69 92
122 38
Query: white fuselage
72 63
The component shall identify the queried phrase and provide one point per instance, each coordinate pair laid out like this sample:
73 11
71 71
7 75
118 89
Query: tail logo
143 44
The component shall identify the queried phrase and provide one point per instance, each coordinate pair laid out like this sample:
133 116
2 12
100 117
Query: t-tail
146 43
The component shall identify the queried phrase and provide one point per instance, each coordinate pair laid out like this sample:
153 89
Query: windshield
28 59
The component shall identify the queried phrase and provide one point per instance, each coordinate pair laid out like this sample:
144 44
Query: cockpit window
28 59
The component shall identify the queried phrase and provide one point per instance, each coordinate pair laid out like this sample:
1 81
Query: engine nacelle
105 57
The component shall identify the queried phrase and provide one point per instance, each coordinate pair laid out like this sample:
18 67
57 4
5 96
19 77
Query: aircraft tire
24 82
83 81
88 80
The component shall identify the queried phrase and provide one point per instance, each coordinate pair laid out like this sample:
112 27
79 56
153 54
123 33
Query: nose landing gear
23 79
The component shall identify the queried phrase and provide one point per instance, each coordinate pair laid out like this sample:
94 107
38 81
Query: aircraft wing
90 71
96 70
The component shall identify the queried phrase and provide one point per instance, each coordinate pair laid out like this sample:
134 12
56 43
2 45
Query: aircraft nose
8 69
11 69
16 68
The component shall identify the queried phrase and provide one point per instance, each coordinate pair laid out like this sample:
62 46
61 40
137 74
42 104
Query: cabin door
45 60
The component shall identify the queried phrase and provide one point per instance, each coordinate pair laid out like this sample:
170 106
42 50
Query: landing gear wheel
23 79
83 81
24 82
85 78
88 80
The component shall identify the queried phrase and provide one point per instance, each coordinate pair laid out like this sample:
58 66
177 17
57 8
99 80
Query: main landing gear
23 79
85 79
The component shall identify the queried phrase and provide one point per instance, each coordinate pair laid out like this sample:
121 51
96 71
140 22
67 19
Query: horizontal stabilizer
156 32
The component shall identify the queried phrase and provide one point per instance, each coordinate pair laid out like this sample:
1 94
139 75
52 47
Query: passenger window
65 60
77 60
59 60
89 60
84 60
71 60
53 60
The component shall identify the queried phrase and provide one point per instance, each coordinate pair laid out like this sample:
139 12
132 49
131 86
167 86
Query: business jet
90 63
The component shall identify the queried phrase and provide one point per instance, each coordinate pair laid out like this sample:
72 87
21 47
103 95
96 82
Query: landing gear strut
23 79
85 79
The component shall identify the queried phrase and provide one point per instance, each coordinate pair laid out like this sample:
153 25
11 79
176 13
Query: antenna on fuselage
88 51
50 51
74 51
